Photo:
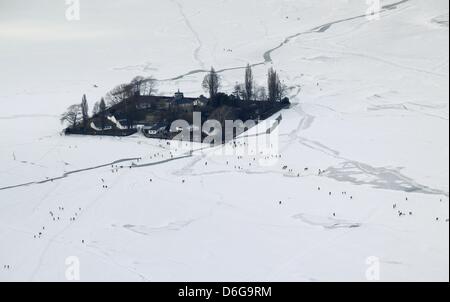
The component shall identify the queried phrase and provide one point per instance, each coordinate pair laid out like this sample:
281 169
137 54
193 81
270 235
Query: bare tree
271 84
282 91
102 105
72 116
277 90
99 107
84 110
150 85
238 91
118 94
138 85
211 83
261 93
102 112
96 109
248 84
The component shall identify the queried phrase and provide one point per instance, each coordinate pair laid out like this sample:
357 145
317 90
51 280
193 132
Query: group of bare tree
138 86
72 116
79 113
249 90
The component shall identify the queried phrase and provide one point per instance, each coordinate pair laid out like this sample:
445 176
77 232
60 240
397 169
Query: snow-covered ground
370 110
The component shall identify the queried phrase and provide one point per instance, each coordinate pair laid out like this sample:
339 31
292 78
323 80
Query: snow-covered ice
370 110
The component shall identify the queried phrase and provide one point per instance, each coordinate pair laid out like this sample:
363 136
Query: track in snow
268 54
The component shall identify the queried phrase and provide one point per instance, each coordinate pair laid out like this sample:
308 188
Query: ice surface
370 110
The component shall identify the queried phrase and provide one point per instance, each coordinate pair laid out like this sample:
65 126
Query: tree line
276 91
79 113
249 90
